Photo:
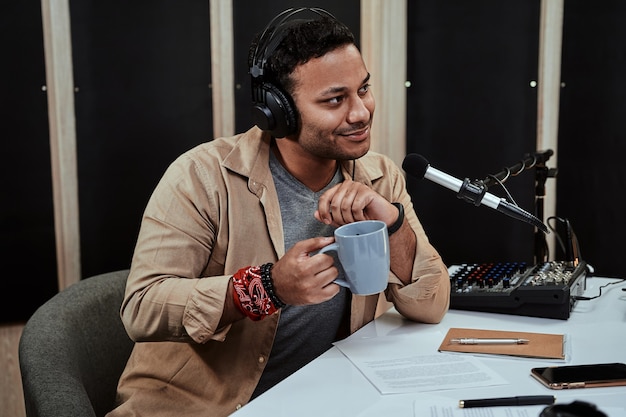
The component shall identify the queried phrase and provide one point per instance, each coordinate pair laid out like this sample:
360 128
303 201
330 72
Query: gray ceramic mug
363 250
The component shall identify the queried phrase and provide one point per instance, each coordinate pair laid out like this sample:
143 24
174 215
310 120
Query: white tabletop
332 386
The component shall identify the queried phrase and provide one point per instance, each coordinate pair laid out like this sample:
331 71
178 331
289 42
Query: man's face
335 105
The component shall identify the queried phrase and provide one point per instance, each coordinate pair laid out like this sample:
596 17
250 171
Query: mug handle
335 247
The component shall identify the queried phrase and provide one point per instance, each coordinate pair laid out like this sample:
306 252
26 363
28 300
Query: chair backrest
73 349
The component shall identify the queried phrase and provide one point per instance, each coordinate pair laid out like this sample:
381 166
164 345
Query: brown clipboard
540 345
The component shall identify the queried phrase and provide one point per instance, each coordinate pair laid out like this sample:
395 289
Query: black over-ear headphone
272 108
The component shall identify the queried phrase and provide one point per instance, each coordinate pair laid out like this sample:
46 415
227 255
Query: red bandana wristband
250 295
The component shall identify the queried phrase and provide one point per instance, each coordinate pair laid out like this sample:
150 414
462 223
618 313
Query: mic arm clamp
472 192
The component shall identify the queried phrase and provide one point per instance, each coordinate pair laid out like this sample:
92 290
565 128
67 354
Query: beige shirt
215 211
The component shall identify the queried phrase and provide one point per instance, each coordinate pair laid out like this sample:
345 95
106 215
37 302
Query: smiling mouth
357 133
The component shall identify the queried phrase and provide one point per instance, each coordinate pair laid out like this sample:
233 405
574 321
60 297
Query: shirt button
261 359
238 406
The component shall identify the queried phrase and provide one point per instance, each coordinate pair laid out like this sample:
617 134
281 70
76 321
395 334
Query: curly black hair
302 40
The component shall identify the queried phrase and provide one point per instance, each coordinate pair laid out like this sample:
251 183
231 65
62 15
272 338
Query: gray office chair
73 349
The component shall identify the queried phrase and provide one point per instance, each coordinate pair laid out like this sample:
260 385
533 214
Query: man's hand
351 201
300 278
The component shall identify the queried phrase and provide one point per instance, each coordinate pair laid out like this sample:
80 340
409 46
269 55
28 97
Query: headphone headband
273 34
272 108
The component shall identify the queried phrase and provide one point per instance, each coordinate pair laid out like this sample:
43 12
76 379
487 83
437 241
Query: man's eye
336 100
364 89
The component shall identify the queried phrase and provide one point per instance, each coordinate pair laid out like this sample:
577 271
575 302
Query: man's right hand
300 278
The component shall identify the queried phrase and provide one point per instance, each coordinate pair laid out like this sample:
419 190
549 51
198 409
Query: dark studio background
142 73
471 112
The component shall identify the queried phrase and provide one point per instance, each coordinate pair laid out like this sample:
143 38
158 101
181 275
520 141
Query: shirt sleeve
165 300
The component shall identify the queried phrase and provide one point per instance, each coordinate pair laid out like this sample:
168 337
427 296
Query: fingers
335 206
301 277
349 202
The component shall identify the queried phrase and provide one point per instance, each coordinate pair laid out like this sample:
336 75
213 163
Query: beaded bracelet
251 295
268 284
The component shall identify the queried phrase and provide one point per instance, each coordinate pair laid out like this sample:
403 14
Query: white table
332 386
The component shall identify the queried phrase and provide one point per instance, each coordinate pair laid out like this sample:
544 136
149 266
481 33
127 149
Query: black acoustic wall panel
142 73
27 242
471 111
143 96
592 131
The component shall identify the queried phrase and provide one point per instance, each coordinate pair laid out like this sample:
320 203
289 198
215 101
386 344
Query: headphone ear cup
274 112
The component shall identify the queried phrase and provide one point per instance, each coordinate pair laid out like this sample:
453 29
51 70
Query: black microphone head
415 165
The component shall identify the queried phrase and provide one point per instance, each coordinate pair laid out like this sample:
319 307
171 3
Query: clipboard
540 345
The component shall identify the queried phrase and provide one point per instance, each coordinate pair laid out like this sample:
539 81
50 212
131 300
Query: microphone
418 167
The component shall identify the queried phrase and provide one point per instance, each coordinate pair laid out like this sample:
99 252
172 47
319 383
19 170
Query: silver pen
489 341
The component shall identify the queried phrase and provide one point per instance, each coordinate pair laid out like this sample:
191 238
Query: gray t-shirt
304 332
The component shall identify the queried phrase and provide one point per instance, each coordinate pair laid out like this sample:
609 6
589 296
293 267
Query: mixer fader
545 290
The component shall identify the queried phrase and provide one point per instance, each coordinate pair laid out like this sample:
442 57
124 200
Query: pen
509 401
478 341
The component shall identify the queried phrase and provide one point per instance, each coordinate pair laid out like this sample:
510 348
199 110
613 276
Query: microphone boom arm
529 161
476 194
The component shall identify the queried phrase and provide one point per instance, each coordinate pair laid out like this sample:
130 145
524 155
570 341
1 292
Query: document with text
436 410
394 365
441 408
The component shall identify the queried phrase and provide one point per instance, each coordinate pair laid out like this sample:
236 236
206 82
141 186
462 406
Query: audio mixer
546 289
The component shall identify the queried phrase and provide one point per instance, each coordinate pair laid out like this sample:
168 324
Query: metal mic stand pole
542 173
541 244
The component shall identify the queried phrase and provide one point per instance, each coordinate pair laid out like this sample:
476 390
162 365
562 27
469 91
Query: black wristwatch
394 227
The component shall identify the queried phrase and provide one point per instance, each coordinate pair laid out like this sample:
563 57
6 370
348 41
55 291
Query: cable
533 163
554 230
503 187
353 168
570 247
521 169
621 280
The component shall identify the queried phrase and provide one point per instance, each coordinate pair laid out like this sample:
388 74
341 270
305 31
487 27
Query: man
226 295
